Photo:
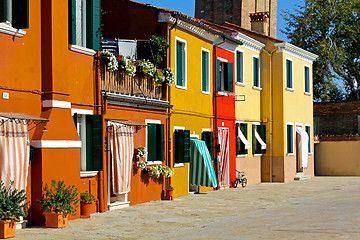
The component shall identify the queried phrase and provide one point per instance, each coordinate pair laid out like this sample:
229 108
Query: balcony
121 89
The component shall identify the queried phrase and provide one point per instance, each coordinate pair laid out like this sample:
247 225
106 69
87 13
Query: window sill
4 28
307 93
207 93
257 88
242 156
176 165
290 154
153 163
310 153
290 89
258 154
83 50
241 84
181 87
84 174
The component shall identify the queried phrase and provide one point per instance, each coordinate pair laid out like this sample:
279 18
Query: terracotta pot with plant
57 202
87 204
12 207
169 192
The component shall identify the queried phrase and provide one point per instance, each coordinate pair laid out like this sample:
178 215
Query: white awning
243 139
262 143
303 144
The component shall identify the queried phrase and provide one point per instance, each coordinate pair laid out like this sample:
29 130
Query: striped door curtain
122 152
223 140
14 152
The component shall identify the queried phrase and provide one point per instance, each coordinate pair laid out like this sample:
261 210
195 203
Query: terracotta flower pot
87 208
7 228
169 194
55 220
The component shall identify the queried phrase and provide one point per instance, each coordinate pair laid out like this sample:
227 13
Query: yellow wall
192 109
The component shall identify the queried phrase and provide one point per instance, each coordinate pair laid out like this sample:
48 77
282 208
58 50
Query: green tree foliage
330 29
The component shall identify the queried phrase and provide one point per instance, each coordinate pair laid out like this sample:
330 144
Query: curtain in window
303 147
122 151
14 153
223 160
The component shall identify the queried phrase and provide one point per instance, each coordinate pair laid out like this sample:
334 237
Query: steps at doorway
118 205
301 176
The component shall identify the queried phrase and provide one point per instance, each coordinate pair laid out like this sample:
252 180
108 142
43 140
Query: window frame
174 151
242 67
287 142
208 82
149 163
258 71
183 41
237 139
10 28
310 149
307 92
289 88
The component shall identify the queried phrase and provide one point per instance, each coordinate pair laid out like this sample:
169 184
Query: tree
330 29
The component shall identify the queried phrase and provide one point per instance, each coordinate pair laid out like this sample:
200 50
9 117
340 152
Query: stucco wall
337 158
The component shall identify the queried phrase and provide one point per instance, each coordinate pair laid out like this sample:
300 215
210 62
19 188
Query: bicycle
240 179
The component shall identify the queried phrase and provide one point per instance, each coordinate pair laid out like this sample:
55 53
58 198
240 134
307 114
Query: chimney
259 22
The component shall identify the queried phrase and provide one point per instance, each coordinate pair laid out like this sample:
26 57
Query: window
256 72
180 63
259 138
84 23
208 138
155 142
307 79
289 138
239 67
89 128
15 12
242 144
289 74
181 146
224 76
205 72
308 131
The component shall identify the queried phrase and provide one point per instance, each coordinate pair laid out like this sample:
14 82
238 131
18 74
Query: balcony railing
138 86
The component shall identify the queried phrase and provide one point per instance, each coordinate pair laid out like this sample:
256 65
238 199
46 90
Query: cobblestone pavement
319 208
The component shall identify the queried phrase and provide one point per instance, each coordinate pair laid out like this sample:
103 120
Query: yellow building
278 108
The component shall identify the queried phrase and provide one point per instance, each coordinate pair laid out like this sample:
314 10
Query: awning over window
303 144
21 116
243 138
127 122
202 171
262 143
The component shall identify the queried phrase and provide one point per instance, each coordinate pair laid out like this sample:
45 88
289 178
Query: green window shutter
151 142
307 79
3 12
262 133
208 138
204 71
160 142
218 77
255 72
230 77
187 146
243 128
239 67
308 130
253 139
289 83
94 143
72 21
20 14
93 29
75 119
179 146
289 139
179 64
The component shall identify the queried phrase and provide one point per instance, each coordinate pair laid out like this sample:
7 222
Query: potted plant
169 192
57 202
87 204
12 207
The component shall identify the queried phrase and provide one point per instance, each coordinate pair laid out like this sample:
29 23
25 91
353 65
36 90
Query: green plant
159 77
158 46
12 202
141 153
170 187
87 197
59 198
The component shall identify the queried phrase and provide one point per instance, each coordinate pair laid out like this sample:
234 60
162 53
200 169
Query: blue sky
188 7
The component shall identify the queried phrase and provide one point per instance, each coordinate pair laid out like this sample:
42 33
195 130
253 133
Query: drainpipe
271 116
216 115
168 98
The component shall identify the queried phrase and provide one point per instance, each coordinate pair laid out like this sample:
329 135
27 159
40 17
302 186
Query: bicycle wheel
236 183
244 182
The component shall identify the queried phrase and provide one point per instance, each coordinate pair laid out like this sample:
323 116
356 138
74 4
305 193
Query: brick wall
337 118
236 11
